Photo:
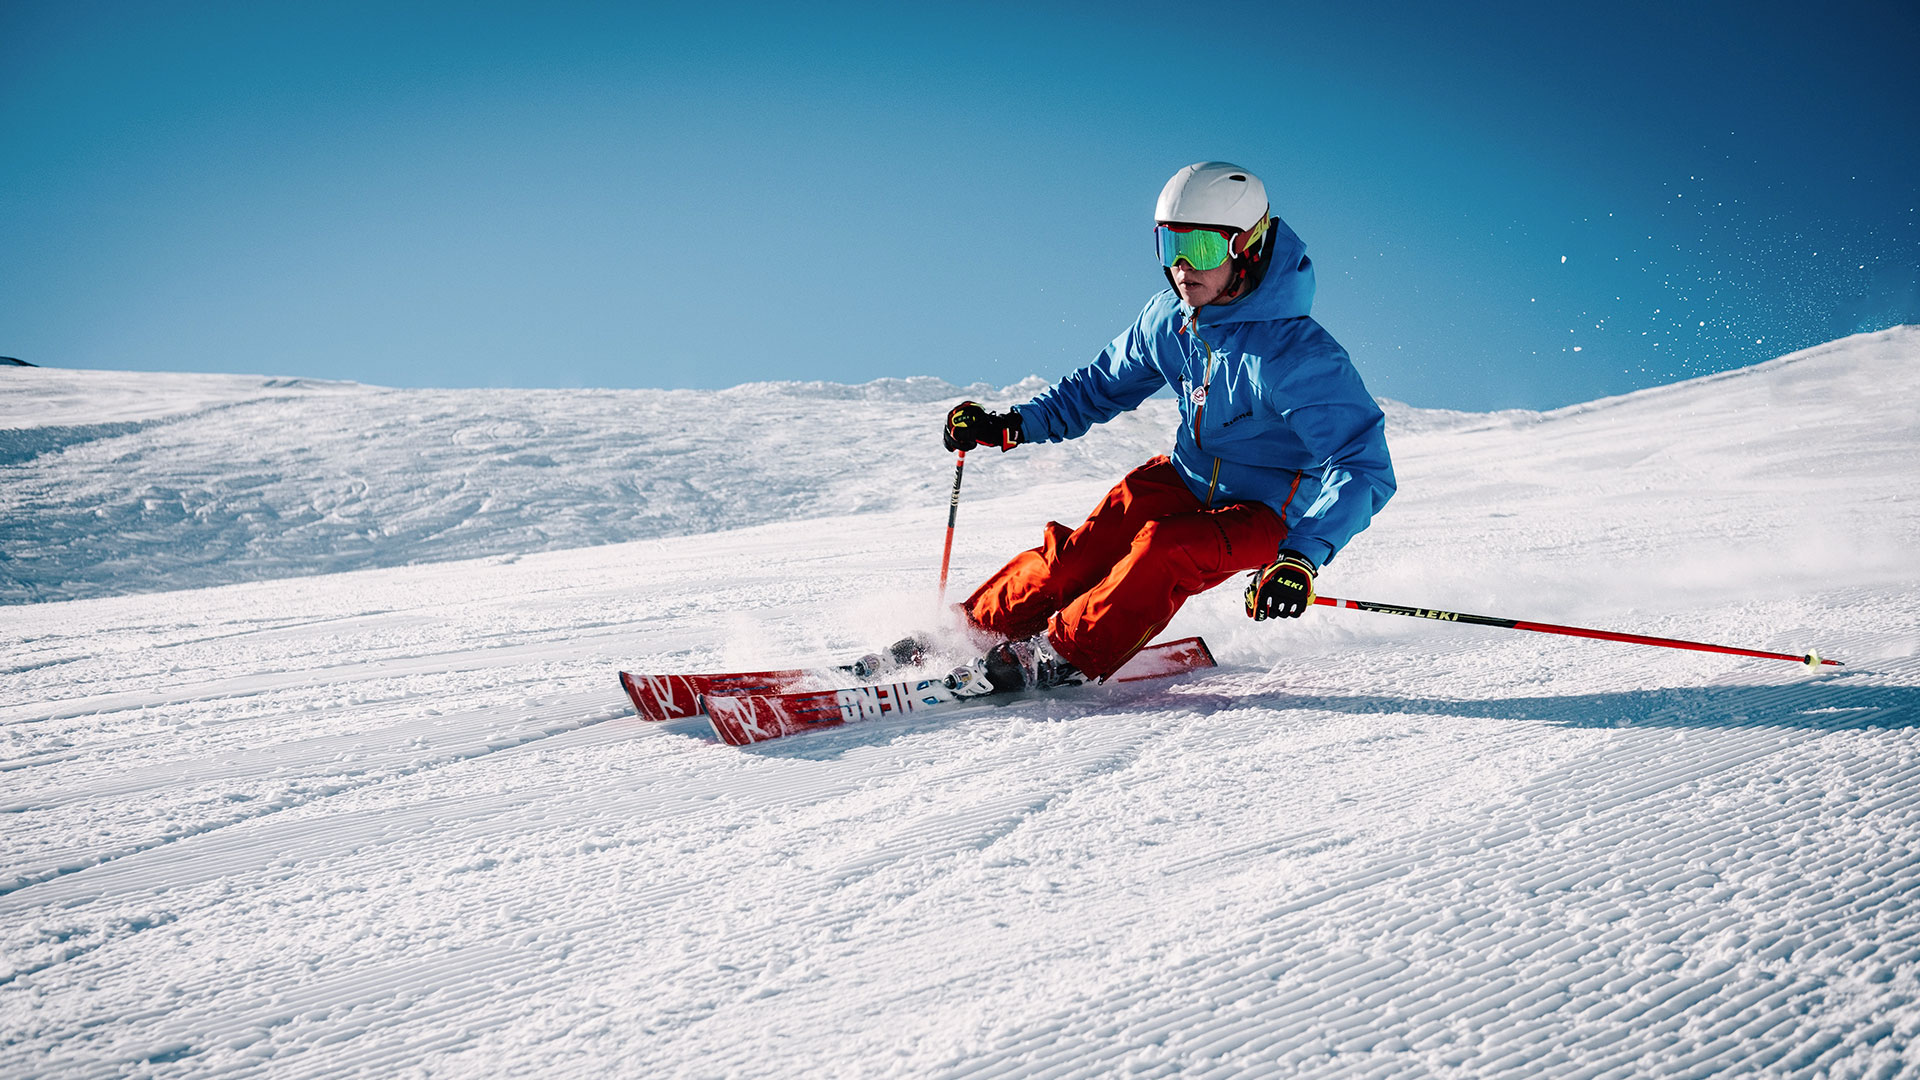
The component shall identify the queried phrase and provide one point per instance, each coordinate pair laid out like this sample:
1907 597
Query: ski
672 697
741 719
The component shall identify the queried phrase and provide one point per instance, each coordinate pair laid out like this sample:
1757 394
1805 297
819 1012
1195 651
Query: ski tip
723 714
632 691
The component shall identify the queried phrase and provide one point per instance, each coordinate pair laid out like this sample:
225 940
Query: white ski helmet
1213 193
1219 196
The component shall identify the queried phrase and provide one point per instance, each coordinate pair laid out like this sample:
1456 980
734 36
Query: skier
1281 457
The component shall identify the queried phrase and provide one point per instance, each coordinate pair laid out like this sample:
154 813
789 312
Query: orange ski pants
1103 590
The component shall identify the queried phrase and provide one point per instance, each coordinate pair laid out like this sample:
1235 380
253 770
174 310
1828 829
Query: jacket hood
1285 293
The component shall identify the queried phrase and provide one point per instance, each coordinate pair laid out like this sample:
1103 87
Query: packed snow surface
293 784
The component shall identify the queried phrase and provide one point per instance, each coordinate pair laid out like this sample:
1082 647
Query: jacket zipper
1200 407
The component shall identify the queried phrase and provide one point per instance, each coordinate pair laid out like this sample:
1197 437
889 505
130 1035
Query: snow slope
398 821
118 482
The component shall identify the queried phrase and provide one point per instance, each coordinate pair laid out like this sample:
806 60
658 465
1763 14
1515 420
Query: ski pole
953 512
1813 660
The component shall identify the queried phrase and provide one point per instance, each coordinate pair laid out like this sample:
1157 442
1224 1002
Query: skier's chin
1197 295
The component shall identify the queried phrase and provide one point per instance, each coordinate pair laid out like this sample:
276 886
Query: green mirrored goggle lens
1202 249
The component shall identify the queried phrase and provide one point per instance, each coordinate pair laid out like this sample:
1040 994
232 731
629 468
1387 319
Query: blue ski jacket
1271 408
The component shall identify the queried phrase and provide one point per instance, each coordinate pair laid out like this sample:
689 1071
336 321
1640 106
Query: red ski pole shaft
953 514
1812 659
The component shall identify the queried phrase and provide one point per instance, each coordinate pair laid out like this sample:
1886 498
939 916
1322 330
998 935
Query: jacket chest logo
1197 394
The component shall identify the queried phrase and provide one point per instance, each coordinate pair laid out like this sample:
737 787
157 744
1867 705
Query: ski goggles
1200 248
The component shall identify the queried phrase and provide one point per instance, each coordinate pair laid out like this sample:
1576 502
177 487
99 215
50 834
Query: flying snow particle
1563 260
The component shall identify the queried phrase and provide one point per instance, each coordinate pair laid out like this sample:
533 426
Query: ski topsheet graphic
744 718
670 697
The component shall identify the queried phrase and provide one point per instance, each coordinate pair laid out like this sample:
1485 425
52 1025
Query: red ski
670 697
750 717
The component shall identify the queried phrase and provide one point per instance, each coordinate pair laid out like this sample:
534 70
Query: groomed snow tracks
1678 902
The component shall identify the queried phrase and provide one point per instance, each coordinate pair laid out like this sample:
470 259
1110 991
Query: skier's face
1201 287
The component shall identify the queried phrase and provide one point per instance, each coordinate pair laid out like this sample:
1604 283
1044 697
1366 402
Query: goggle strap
1254 234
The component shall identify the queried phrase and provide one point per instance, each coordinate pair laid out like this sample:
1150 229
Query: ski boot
908 652
1012 666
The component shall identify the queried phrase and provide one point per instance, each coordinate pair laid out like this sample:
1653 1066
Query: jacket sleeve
1124 376
1331 412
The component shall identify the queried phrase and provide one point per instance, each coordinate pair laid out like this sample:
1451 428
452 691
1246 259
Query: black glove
1283 590
969 425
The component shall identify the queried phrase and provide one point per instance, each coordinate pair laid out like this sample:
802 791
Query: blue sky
1509 205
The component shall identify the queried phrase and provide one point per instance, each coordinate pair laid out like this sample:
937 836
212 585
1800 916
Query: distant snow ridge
119 482
918 390
116 482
